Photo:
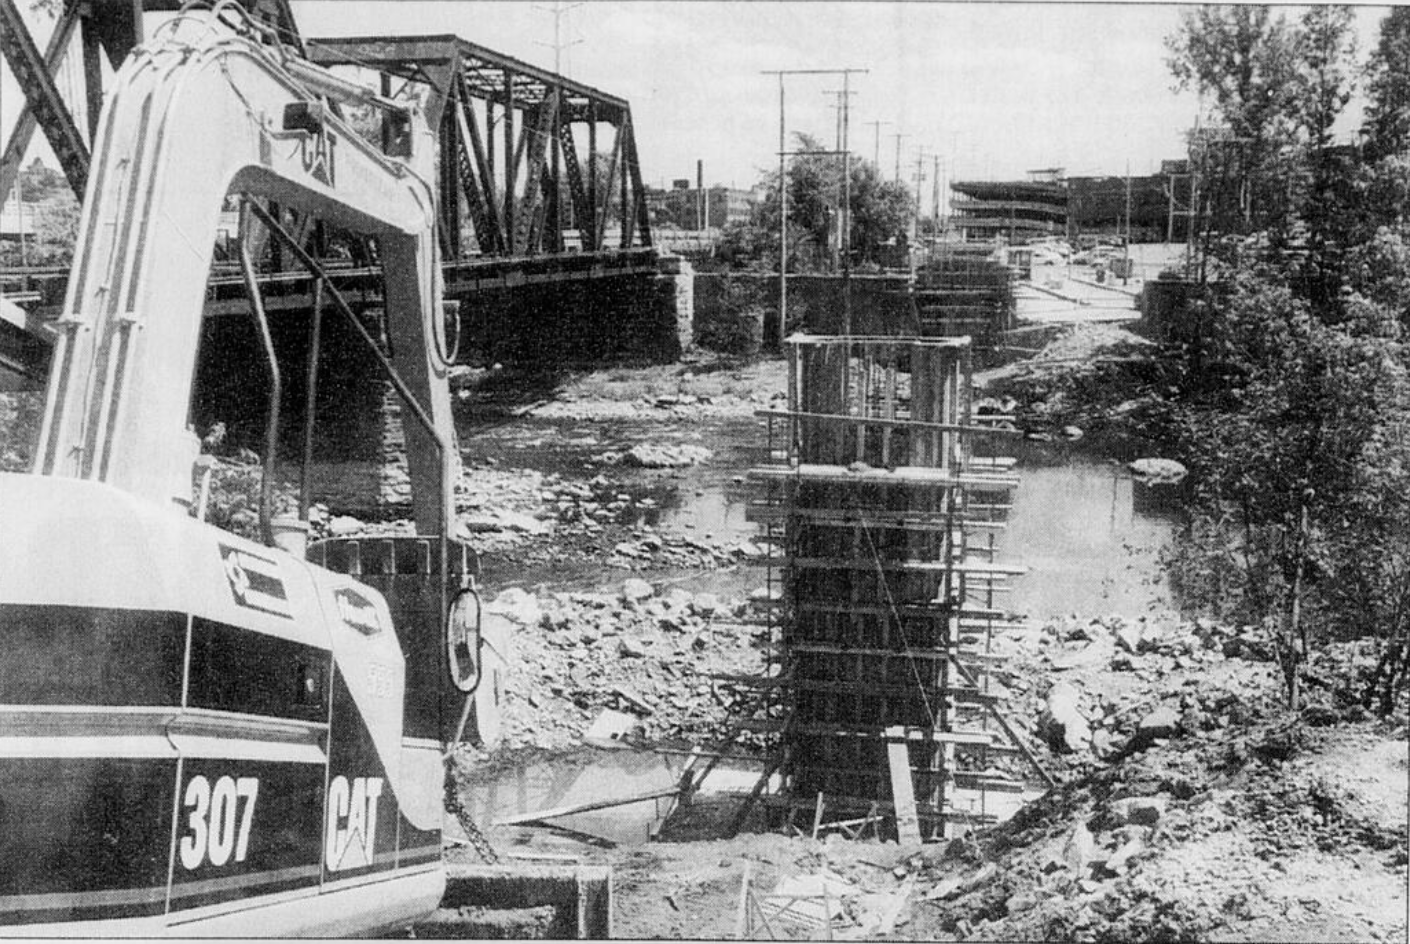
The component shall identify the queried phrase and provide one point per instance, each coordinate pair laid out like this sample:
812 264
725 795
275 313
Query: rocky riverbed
1191 804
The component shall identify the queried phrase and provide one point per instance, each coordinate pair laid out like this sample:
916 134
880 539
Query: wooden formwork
886 596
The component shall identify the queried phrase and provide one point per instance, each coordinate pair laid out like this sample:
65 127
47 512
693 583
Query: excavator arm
200 113
205 734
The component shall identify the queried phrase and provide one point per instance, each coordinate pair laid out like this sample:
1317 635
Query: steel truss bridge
539 176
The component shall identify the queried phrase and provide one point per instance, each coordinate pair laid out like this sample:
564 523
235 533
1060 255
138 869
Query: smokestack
700 204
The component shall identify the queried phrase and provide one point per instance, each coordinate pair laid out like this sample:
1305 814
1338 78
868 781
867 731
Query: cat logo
350 831
255 581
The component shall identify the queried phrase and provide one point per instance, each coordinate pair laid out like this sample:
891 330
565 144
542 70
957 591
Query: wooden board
902 790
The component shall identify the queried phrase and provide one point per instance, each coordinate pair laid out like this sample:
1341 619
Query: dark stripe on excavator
76 655
105 656
84 837
235 669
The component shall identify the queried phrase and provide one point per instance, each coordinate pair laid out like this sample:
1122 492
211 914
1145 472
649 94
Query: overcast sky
995 89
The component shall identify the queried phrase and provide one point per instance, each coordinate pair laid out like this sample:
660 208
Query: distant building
681 206
1050 204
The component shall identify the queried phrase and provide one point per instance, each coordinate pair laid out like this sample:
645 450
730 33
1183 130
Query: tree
1245 59
1326 73
56 229
1387 125
880 209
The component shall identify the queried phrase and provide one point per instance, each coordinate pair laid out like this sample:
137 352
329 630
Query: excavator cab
212 733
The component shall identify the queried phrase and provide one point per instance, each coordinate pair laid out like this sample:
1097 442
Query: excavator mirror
463 640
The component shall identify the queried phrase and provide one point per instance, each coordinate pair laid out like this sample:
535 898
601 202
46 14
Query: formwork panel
869 502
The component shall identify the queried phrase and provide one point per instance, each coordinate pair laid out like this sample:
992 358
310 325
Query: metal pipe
341 304
271 432
324 82
310 398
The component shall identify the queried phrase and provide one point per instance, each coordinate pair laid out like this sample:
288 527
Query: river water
1089 533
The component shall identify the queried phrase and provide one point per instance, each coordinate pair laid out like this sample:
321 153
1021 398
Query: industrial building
689 207
1051 204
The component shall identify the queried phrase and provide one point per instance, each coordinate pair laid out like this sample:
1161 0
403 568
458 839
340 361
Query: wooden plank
586 807
905 476
902 790
885 423
982 570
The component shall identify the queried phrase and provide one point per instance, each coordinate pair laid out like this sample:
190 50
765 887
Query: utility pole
783 192
1126 243
558 10
19 212
844 101
876 145
919 179
843 96
898 137
935 194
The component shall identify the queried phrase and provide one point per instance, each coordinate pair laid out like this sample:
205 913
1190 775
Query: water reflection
1090 535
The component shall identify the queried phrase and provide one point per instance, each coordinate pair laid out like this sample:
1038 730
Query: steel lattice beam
515 179
41 95
109 27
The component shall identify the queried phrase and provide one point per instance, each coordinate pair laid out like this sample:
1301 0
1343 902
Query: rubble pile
635 651
1191 796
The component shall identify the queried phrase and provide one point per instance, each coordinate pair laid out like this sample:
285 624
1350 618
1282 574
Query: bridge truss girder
520 188
106 27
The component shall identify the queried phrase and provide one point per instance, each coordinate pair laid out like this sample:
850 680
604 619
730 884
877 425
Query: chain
462 816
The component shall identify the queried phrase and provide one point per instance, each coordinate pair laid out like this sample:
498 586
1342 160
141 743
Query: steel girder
44 105
516 187
111 27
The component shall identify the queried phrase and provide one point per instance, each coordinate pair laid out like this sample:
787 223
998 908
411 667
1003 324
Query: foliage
1299 518
39 183
1294 424
737 327
20 417
1387 125
1245 58
880 210
55 230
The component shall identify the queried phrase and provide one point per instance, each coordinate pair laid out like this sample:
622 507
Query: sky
993 89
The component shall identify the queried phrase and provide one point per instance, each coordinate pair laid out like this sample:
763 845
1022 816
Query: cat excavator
200 733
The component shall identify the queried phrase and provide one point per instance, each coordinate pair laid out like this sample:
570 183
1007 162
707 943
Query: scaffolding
882 521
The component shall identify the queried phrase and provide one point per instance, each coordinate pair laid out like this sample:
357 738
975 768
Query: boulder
656 456
705 604
1128 636
1080 848
634 589
1063 725
1117 861
344 524
518 605
1140 810
1164 722
1159 470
